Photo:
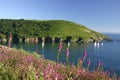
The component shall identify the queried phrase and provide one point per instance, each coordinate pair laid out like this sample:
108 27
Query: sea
108 52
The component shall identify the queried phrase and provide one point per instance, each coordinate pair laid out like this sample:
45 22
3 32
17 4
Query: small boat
95 44
68 44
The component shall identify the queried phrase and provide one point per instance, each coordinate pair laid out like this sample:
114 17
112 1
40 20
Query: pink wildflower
67 55
99 63
60 46
80 61
67 52
36 76
88 62
84 55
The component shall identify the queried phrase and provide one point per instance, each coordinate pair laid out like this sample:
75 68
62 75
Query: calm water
108 53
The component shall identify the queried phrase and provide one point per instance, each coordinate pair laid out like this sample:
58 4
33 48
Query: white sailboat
68 44
95 44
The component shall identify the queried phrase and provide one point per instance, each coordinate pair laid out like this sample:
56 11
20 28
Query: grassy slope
61 28
51 28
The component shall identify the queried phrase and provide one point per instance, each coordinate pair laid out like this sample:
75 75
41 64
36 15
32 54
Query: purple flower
84 55
80 61
67 52
60 46
88 62
99 63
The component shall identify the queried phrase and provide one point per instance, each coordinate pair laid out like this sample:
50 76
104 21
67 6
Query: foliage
53 28
20 65
7 73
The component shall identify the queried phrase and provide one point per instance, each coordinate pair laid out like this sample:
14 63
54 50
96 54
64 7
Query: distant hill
48 29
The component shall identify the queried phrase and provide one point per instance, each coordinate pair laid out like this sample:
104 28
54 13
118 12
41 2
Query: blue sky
98 15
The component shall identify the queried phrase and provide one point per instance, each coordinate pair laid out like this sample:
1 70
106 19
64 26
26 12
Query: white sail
43 43
95 44
68 44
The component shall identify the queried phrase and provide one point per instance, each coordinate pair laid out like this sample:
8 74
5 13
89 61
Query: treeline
23 28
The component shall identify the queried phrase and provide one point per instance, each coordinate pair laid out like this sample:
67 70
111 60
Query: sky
98 15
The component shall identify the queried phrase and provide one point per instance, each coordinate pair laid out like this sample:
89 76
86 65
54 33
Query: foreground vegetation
52 29
22 65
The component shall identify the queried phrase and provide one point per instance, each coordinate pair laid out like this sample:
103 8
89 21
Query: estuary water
107 52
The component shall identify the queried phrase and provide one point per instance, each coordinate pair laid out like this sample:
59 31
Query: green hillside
61 29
